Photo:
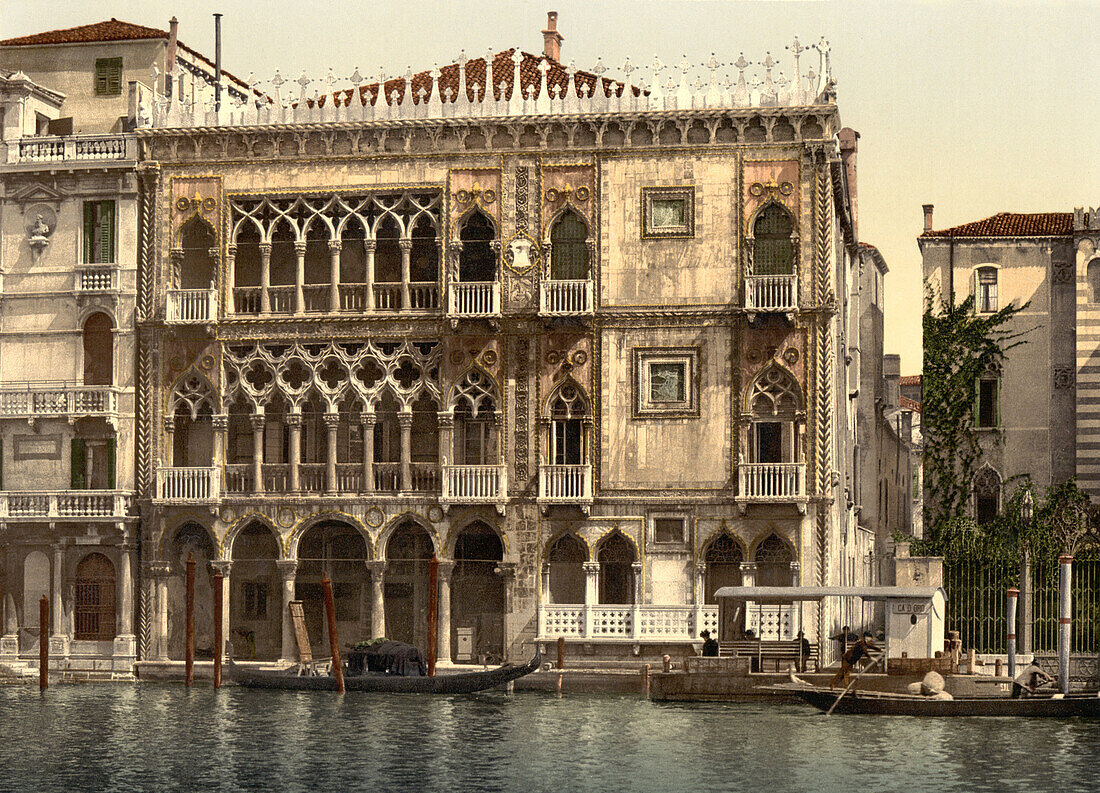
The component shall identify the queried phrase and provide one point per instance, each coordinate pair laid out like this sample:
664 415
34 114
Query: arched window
192 405
424 257
247 270
616 558
774 400
985 290
255 604
387 251
566 559
98 350
477 261
197 240
568 411
94 599
476 420
1092 275
987 495
723 558
569 248
773 559
772 246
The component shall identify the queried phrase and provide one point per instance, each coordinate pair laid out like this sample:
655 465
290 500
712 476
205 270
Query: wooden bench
780 651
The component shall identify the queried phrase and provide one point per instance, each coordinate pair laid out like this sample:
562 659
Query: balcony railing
72 148
628 623
57 399
771 292
312 478
387 297
65 504
96 279
281 299
565 484
475 484
188 484
186 306
566 298
353 297
475 299
771 481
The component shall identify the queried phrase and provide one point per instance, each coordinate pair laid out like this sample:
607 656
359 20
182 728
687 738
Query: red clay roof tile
111 30
1012 224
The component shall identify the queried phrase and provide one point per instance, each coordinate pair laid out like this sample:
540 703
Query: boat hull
457 683
872 702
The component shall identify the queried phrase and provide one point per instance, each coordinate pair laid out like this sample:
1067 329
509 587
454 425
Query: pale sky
976 107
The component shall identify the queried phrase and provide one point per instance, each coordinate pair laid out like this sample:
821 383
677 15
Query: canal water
163 738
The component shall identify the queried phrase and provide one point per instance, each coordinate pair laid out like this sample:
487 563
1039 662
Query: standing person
803 651
861 649
1029 680
710 646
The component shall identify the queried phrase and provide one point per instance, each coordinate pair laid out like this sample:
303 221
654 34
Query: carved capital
405 244
293 420
591 568
223 566
231 249
368 419
377 569
158 569
446 419
370 245
265 248
258 421
288 568
300 247
176 254
170 423
405 420
446 568
332 420
334 246
220 422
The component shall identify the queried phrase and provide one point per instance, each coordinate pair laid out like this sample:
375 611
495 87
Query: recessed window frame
685 230
108 76
987 292
644 358
668 516
987 399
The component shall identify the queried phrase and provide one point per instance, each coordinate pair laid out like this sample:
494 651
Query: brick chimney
170 55
927 217
551 39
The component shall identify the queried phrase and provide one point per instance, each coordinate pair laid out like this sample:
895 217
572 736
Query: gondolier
853 655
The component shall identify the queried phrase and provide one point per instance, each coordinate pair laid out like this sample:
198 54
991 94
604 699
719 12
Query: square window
668 529
666 382
668 212
108 76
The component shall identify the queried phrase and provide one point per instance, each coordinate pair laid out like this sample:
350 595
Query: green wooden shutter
77 460
106 232
89 232
110 463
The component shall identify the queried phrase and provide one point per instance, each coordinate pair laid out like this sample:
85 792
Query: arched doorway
256 625
723 559
616 558
191 539
94 599
98 350
477 593
338 549
406 589
566 559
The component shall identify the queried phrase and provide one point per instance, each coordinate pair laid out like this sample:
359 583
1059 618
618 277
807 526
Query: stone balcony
628 623
566 298
191 306
771 483
188 485
45 399
353 298
777 293
96 279
474 299
71 149
565 484
475 484
65 504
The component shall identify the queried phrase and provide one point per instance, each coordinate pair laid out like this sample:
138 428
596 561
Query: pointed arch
773 556
723 553
772 235
478 237
987 494
294 539
775 391
616 554
198 240
193 392
564 556
570 252
399 521
568 399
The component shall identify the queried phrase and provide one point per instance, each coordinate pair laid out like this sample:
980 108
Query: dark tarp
393 658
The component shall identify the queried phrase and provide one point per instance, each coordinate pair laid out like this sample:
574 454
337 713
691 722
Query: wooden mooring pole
189 635
561 652
43 643
433 612
219 639
333 639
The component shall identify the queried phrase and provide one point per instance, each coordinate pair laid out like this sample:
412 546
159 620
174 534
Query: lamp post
1027 513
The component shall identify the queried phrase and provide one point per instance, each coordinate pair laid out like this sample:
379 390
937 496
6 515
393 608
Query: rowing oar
855 680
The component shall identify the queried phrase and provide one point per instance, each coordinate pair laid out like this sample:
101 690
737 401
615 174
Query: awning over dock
794 594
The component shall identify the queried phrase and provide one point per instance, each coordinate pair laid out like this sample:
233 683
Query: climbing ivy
959 347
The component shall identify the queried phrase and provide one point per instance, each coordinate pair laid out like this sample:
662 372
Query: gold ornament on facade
196 204
771 187
489 357
476 194
374 518
555 194
790 355
521 253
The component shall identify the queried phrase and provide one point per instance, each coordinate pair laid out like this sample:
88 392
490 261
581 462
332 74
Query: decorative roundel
374 517
489 357
756 189
488 196
227 514
457 356
553 357
568 393
753 356
285 517
552 195
582 193
786 188
206 363
790 355
183 204
435 513
580 357
463 196
209 204
175 363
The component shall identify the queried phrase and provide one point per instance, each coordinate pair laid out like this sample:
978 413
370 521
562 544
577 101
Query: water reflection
149 737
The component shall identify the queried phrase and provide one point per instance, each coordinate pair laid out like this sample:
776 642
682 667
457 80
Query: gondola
891 704
447 683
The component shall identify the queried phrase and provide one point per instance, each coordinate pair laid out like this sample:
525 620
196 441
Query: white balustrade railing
544 89
475 299
771 481
612 622
281 299
565 484
423 295
474 484
643 622
65 504
246 300
774 622
566 298
96 278
188 484
353 297
771 292
57 399
387 296
72 148
191 305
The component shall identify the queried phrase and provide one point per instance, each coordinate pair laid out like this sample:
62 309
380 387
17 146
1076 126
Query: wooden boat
890 704
453 683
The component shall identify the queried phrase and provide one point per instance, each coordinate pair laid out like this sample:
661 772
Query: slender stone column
639 594
126 591
158 573
700 596
748 578
169 442
332 423
446 436
265 277
300 279
443 632
369 246
293 420
405 420
377 569
406 270
507 573
258 420
220 424
591 593
544 598
56 613
368 421
288 568
224 566
334 275
230 279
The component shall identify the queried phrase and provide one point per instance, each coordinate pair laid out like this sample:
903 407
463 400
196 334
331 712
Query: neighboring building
1043 399
911 400
68 274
